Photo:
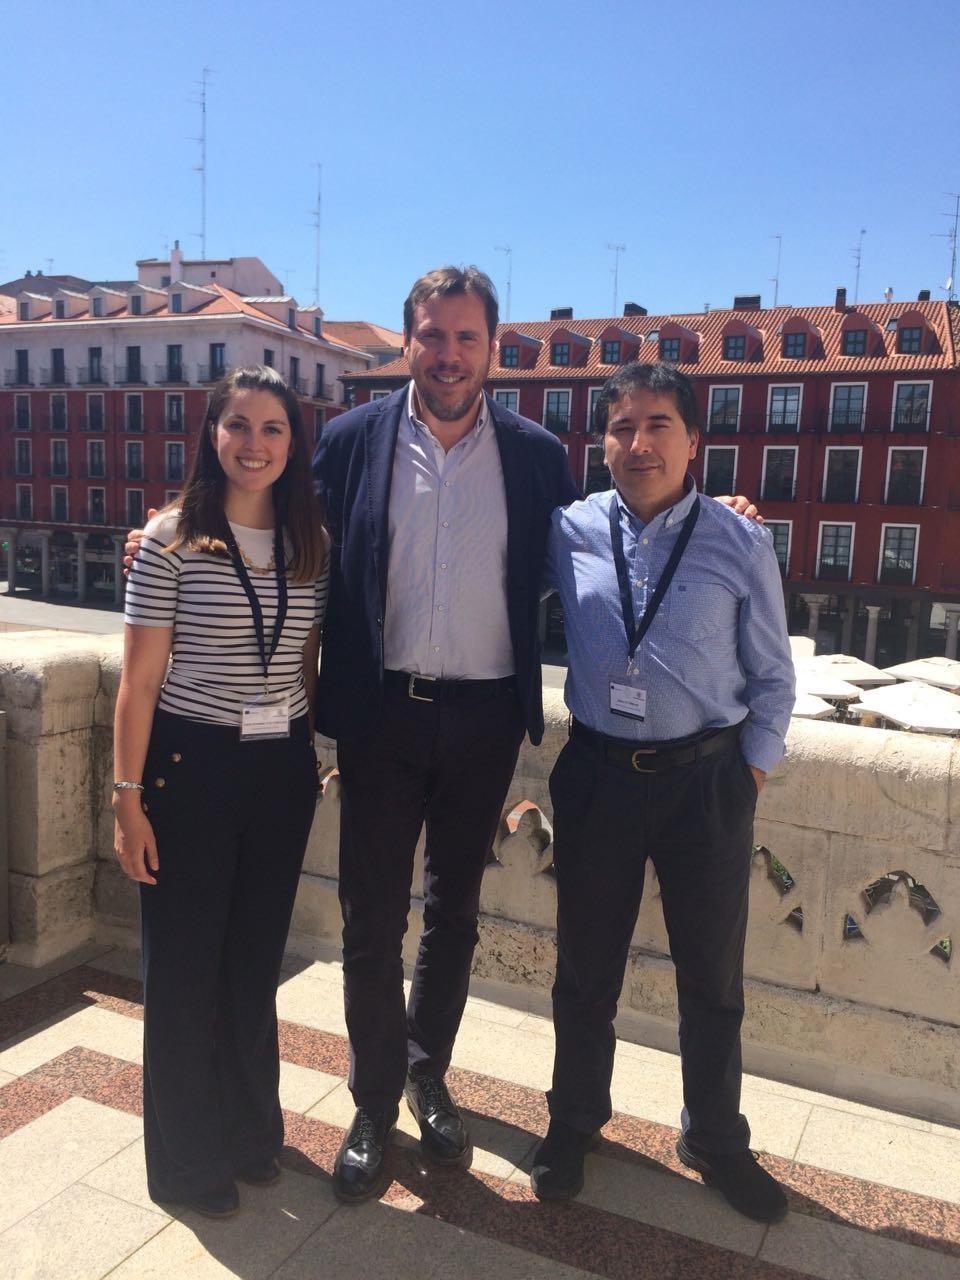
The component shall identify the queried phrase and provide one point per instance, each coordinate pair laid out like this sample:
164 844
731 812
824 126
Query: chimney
634 309
561 313
746 302
176 263
923 295
841 301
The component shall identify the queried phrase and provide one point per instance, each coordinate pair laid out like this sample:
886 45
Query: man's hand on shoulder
132 544
759 777
742 506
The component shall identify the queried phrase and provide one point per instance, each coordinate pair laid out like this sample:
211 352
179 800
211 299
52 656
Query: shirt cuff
761 748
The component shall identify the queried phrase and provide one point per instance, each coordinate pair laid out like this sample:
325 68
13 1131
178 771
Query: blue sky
690 133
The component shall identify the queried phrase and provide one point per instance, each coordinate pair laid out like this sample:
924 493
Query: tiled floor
872 1194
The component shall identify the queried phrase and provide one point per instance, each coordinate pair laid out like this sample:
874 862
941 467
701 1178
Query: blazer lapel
382 429
516 461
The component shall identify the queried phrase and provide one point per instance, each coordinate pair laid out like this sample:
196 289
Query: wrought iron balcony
558 423
87 377
902 574
846 420
840 490
210 372
906 494
57 472
299 385
129 375
783 420
91 422
17 421
94 471
170 374
829 572
323 391
905 420
17 378
777 490
94 515
723 421
54 378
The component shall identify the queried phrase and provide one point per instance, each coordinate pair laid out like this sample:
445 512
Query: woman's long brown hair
202 525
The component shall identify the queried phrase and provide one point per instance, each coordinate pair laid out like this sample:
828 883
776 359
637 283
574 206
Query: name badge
265 717
628 700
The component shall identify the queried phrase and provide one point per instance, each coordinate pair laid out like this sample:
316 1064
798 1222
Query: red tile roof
363 333
942 318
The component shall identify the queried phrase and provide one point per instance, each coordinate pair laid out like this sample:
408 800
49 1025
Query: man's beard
443 410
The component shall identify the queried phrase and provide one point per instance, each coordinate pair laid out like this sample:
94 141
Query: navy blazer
353 468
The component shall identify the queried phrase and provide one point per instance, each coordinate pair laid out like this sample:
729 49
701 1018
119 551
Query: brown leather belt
651 757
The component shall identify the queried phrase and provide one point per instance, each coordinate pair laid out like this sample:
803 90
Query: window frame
785 338
558 391
128 398
64 490
560 348
862 333
131 447
588 451
784 386
55 447
134 520
786 448
24 444
724 448
507 391
899 524
170 398
91 445
26 489
836 524
863 411
784 568
911 382
170 446
661 353
724 386
734 337
913 329
841 448
514 361
609 343
909 448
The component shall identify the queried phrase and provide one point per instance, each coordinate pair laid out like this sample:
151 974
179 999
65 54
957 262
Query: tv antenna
316 227
505 248
775 279
950 284
858 258
49 262
616 250
201 168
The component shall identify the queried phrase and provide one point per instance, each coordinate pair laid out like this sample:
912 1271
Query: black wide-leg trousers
445 766
695 823
231 820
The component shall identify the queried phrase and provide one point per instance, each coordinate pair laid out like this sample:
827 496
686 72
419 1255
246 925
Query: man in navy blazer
439 503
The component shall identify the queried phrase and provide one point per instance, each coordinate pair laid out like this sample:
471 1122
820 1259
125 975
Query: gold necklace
256 568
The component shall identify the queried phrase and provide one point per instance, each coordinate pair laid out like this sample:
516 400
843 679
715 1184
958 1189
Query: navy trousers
445 766
231 820
695 824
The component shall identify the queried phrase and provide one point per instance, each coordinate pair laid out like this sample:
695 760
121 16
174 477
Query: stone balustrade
852 981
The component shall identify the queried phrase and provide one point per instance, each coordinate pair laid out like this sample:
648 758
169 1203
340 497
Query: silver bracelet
128 786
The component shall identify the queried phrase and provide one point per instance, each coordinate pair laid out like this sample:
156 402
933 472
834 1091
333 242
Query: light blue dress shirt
717 652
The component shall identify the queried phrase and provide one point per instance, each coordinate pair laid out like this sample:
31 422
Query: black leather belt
641 757
432 689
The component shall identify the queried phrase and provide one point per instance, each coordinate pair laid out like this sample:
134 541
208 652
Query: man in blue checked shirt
681 685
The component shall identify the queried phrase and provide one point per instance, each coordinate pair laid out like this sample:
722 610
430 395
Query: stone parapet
855 885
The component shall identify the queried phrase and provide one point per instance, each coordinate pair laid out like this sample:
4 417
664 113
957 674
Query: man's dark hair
660 378
445 281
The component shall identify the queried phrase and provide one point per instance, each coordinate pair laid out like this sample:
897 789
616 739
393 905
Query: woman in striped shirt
216 783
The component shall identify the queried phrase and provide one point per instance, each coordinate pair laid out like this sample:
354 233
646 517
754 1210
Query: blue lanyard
279 561
636 631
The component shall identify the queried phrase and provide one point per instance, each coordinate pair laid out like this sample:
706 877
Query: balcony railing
88 422
898 574
299 385
827 572
210 372
846 420
777 490
20 470
174 475
17 422
783 420
906 421
840 491
168 374
129 375
17 378
175 425
323 391
94 471
87 377
44 422
903 495
137 472
558 423
57 472
94 515
133 424
724 421
54 378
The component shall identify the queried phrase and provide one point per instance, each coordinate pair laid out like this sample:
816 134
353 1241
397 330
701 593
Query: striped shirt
215 661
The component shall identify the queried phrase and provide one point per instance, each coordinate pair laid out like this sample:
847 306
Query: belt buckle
641 751
419 697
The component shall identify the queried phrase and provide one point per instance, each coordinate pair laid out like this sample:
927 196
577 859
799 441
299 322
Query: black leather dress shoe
743 1182
218 1202
557 1172
443 1135
260 1173
359 1171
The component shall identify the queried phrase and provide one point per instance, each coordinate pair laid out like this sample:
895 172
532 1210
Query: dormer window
670 349
854 342
908 339
794 346
176 303
560 353
96 308
59 309
509 356
734 346
23 311
610 351
136 304
164 282
318 326
291 318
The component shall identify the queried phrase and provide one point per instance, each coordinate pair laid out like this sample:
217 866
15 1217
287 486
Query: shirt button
445 523
439 608
446 484
645 541
443 566
436 648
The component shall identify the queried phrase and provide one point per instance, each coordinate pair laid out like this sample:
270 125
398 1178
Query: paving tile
125 1177
830 1250
375 1240
272 1223
524 1057
475 1256
312 1004
43 1158
890 1154
125 963
6 1077
16 978
488 1011
80 1234
663 1200
302 1088
87 1027
320 970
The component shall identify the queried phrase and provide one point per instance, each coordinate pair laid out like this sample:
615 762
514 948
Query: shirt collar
664 519
419 427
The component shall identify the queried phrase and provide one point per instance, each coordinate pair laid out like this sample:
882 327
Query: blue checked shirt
717 652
